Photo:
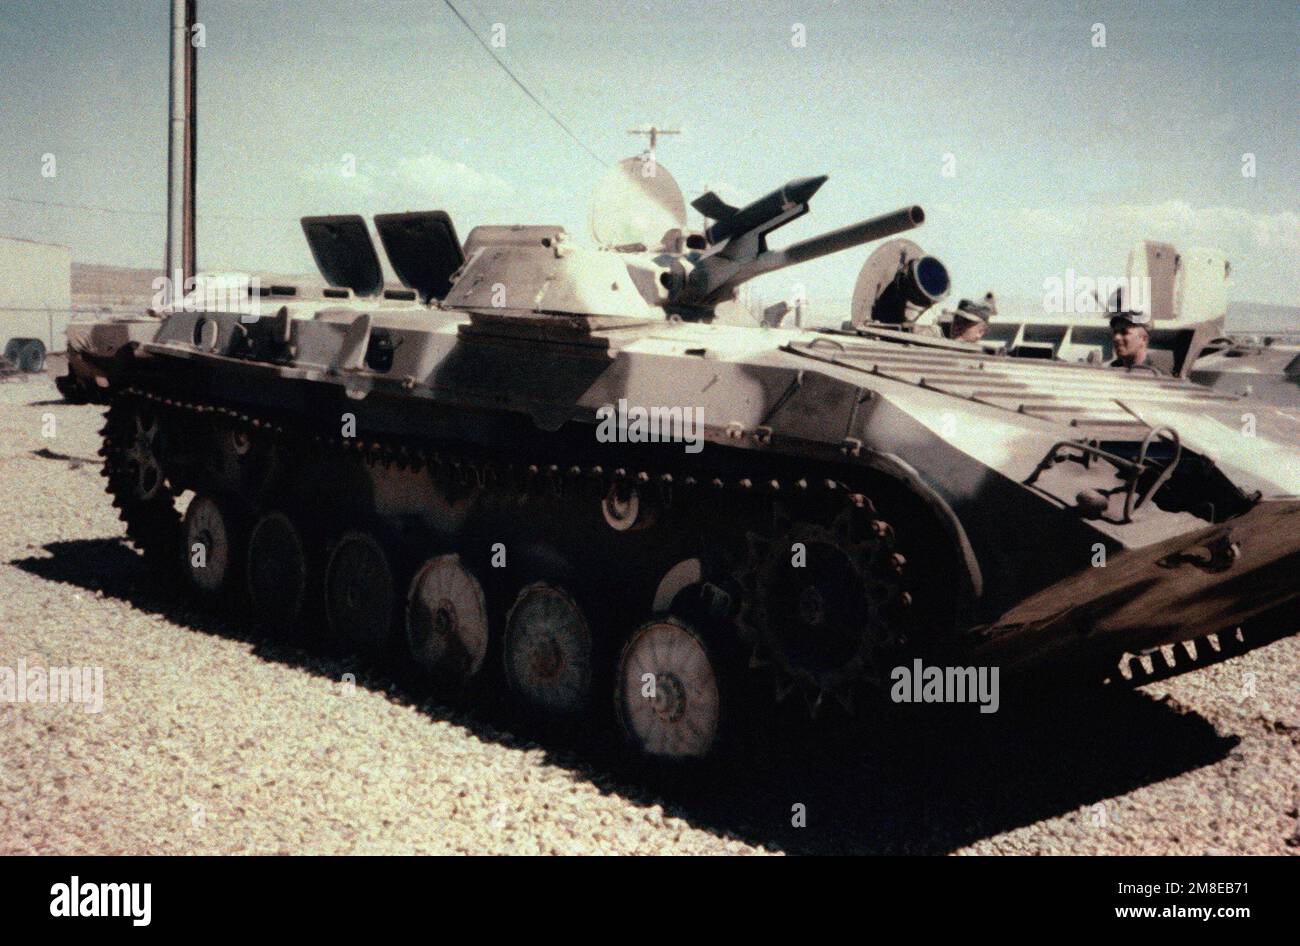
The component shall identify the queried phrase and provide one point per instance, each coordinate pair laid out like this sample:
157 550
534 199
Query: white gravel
212 742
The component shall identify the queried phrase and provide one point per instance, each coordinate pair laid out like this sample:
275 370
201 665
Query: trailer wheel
31 357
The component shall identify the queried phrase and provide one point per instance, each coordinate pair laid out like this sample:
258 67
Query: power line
126 211
131 211
107 210
515 79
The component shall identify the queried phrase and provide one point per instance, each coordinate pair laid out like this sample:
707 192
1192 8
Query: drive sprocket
825 601
133 451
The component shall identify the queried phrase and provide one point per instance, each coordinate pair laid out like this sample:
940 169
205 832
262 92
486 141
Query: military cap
976 311
1127 314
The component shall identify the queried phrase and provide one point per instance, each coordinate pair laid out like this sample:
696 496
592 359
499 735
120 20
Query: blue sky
1064 153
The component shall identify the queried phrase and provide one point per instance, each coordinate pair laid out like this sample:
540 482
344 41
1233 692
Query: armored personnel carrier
556 470
1268 370
1185 294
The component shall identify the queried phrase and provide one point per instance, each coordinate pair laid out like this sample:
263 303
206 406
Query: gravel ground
211 741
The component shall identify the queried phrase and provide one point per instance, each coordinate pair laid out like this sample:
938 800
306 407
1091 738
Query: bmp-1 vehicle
557 470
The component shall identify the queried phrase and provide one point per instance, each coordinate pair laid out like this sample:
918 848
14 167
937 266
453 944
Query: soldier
1131 334
970 320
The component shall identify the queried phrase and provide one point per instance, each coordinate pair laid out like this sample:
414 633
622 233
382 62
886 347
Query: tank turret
540 269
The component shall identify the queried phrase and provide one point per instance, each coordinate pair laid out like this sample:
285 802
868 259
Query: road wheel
668 692
447 621
213 531
548 652
277 573
359 589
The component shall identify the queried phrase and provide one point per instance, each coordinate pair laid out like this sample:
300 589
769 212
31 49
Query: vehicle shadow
917 782
72 460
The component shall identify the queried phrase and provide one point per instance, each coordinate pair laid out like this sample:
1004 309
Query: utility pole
182 141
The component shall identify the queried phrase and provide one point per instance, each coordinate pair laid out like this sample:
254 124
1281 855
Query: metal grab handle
1129 504
1051 459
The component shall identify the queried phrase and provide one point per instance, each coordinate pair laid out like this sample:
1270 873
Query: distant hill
1262 317
95 284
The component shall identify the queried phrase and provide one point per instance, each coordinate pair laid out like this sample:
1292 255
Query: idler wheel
212 529
141 456
277 572
447 620
145 503
359 594
548 651
668 691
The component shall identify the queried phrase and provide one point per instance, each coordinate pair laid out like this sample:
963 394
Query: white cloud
421 180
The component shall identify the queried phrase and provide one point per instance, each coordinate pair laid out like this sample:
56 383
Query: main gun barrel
875 228
737 242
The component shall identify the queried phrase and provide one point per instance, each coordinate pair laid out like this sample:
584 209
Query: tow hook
1214 555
